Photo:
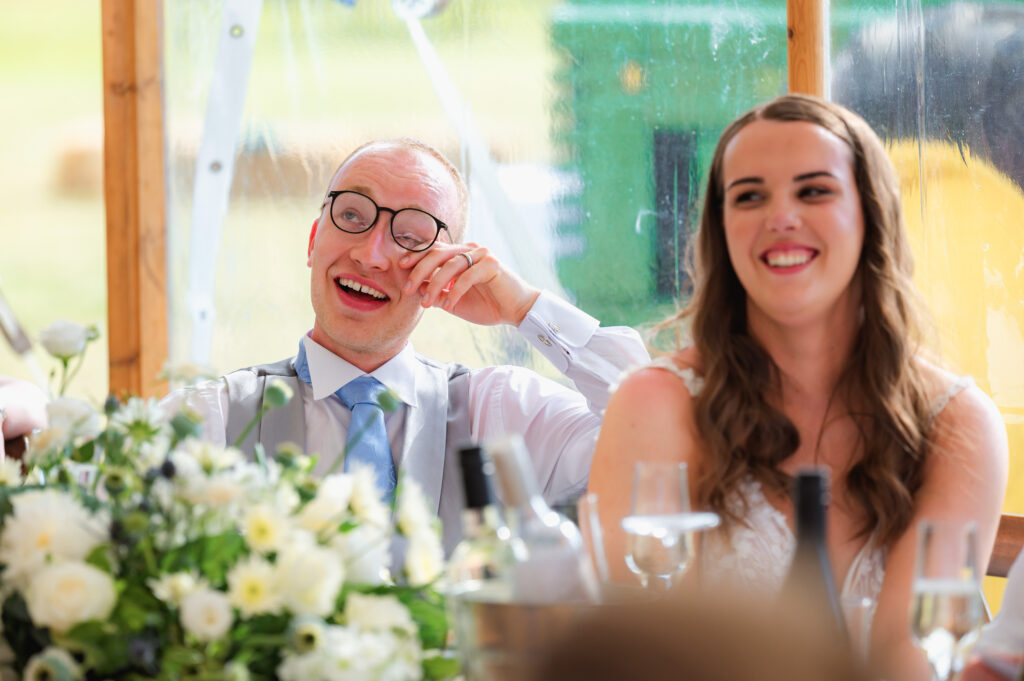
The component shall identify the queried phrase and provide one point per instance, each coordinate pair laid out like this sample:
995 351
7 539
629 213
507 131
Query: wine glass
947 609
589 522
660 527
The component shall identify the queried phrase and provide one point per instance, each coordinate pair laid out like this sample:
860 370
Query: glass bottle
551 564
810 577
480 562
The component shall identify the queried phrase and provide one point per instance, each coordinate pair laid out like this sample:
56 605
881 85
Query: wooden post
133 176
808 46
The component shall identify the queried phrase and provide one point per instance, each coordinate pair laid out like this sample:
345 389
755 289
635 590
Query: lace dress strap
694 383
954 389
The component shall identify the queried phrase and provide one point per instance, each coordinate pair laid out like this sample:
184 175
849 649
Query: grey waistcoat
433 430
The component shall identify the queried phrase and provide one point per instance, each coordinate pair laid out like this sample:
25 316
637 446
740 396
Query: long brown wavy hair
882 382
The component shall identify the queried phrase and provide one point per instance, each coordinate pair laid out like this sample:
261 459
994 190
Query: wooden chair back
1009 540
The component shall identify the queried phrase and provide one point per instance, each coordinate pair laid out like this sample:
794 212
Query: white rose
309 579
330 505
221 491
424 561
75 418
173 588
206 614
64 339
47 525
366 553
383 613
63 595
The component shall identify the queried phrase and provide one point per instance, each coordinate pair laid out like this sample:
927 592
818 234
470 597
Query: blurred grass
52 257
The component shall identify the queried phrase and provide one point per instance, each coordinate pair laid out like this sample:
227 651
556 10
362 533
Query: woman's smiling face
794 226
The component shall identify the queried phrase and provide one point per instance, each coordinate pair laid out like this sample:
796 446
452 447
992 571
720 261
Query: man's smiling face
356 283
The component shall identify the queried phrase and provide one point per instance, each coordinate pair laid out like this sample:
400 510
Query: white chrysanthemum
65 594
365 551
206 614
251 587
185 463
424 559
210 457
64 339
265 528
309 579
52 664
384 613
47 526
10 473
330 505
139 420
414 516
152 454
173 588
366 497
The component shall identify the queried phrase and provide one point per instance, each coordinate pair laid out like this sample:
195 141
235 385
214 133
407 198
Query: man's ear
312 237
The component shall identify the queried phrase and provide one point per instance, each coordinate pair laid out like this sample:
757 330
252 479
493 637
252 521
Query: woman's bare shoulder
955 399
671 372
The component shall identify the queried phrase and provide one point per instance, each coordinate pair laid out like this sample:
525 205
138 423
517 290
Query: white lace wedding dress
757 555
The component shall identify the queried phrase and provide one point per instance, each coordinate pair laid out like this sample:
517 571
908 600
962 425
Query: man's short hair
458 230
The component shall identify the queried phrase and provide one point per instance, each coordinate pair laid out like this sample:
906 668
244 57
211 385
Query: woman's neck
811 357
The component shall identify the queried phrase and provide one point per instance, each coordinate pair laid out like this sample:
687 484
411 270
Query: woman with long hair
806 352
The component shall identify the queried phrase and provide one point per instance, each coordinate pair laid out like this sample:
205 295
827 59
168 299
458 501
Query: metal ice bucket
502 641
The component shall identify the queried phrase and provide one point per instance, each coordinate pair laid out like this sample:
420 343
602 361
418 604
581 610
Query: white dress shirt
559 425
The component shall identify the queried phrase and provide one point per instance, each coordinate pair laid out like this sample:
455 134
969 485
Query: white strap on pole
215 165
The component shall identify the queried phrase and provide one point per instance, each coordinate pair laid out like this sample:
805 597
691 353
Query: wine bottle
810 580
480 563
550 562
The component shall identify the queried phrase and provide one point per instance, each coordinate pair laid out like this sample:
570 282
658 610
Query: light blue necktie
367 439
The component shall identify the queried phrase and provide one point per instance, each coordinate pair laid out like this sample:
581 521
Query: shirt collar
328 372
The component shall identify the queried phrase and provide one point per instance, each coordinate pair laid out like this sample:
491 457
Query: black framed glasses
412 229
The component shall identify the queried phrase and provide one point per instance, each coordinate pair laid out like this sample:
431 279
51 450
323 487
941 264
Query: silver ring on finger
468 257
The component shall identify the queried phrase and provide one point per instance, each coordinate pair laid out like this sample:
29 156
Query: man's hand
466 280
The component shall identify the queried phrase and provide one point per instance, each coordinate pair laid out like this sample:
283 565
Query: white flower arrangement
130 550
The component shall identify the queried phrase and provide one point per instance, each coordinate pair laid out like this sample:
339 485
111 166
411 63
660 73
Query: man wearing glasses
386 245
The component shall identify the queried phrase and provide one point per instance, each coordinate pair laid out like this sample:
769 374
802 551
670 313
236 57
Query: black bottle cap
811 499
475 476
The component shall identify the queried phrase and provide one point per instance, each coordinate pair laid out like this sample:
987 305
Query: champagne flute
947 609
660 527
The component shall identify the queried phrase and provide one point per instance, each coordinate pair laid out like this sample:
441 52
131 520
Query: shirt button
544 339
554 327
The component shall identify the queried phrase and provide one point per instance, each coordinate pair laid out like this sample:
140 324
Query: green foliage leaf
24 638
439 668
85 453
138 609
213 556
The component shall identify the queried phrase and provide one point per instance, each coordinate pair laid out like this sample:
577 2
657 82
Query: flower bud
277 393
